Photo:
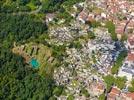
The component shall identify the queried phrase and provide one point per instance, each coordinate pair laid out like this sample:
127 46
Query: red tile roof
131 39
111 97
90 18
130 95
83 15
115 91
130 57
119 30
131 24
100 86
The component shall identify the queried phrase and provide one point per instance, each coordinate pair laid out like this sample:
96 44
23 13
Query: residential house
97 88
127 68
130 25
117 94
83 16
130 43
113 94
50 17
90 17
127 96
120 27
103 15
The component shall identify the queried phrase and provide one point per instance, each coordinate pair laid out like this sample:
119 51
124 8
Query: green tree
17 79
58 51
58 90
119 61
23 2
95 24
51 5
109 80
85 92
120 82
70 97
65 15
111 29
75 44
124 37
102 97
91 35
131 88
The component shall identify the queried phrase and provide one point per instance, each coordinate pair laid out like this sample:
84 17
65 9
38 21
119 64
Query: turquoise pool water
34 63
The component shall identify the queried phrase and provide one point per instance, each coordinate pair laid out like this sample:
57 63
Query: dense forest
17 79
20 27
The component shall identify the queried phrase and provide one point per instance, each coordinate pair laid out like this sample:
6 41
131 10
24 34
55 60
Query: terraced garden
38 56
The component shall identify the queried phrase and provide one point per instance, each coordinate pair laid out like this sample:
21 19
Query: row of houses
103 49
99 53
120 12
116 94
127 68
77 75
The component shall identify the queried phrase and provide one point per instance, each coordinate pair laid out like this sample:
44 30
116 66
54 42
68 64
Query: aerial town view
66 49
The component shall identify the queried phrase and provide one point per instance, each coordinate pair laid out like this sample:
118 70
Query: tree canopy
111 29
119 62
112 81
17 79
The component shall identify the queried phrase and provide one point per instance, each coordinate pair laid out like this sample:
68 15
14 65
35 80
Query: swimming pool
34 63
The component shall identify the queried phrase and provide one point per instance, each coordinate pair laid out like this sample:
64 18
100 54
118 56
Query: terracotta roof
120 25
130 95
119 30
131 24
111 97
131 39
130 57
100 86
83 15
96 86
90 18
115 91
